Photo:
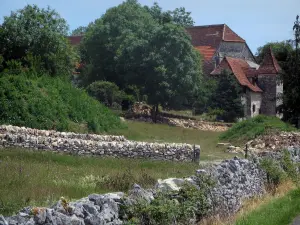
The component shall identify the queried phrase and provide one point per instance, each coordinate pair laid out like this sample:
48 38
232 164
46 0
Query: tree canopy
130 46
227 97
79 31
36 37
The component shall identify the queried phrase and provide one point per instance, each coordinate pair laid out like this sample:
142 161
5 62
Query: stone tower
268 80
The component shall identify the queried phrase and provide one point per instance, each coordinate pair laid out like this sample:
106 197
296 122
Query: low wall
95 145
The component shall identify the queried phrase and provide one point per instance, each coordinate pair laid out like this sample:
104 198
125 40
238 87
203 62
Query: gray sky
257 21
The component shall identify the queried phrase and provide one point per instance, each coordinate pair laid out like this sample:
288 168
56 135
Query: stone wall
95 145
268 84
236 180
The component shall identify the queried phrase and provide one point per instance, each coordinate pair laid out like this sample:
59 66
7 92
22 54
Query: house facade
223 49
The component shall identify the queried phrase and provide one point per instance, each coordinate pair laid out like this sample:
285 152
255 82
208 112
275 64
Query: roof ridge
212 25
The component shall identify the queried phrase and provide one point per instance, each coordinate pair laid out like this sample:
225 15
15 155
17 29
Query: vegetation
188 204
41 178
51 103
142 46
227 98
106 92
34 39
281 211
251 128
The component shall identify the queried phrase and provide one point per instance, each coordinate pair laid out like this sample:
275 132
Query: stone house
223 49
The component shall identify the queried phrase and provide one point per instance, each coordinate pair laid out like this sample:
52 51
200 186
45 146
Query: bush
251 128
189 205
51 103
275 174
106 92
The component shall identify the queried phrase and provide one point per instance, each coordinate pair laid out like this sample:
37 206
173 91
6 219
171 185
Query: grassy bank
208 140
35 178
279 211
251 128
52 103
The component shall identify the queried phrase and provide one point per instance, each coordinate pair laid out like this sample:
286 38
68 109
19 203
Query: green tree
79 31
105 92
35 36
291 82
178 16
227 97
281 50
128 46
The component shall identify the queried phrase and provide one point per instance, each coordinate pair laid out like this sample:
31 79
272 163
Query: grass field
279 211
140 131
40 179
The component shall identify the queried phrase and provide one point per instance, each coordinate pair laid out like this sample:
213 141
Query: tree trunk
155 113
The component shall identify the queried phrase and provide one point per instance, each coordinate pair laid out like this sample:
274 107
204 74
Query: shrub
51 103
105 92
189 205
275 174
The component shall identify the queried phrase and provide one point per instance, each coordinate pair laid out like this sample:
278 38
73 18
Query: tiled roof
212 35
238 68
269 64
75 40
207 39
207 51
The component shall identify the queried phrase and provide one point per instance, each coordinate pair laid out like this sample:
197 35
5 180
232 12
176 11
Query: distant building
221 48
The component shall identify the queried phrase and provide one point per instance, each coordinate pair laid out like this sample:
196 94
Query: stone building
221 48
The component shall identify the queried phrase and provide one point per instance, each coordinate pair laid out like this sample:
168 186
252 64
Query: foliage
227 97
275 174
34 32
291 82
189 203
105 92
50 103
40 178
280 211
290 167
79 30
127 46
281 51
253 127
178 16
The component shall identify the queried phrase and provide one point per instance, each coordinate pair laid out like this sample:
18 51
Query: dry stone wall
95 145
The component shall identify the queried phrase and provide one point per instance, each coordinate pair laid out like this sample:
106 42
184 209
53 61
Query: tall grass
51 103
251 128
41 178
280 211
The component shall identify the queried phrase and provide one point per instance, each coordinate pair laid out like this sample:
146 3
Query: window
253 108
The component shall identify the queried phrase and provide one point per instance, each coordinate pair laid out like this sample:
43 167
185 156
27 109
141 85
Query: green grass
251 128
140 131
52 103
41 178
279 211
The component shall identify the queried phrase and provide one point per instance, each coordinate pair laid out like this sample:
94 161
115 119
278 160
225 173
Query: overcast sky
257 21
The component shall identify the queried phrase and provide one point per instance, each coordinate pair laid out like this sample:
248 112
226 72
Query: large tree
79 31
291 81
36 37
128 46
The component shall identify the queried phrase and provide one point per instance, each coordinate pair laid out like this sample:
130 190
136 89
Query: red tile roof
238 68
207 39
269 64
207 51
75 40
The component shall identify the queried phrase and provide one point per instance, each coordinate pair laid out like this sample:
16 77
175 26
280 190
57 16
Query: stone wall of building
95 145
268 83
